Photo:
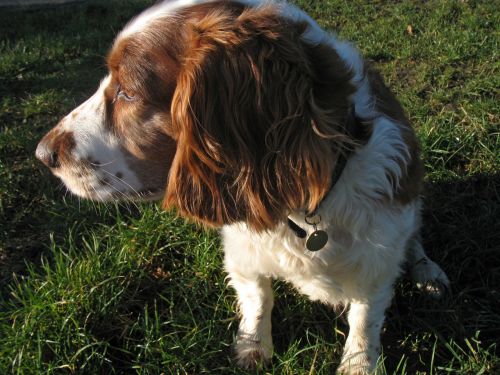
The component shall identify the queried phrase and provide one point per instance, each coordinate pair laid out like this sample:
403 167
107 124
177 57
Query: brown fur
410 185
144 68
256 116
61 143
253 114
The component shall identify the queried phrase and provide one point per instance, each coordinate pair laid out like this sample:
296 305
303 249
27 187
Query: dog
246 116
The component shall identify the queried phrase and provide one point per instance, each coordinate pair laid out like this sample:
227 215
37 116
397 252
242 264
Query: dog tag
317 240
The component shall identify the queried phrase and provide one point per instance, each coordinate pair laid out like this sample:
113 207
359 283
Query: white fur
358 266
427 275
95 144
162 9
168 8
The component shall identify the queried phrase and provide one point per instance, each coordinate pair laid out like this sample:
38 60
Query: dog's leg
254 344
428 276
362 347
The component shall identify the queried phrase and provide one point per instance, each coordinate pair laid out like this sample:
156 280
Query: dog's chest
281 254
351 264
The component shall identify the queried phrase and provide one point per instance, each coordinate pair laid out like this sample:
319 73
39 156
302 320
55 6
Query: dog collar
318 238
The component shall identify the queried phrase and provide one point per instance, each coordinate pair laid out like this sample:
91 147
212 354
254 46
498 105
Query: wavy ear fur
257 113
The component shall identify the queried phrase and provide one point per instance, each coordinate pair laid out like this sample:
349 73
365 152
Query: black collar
352 128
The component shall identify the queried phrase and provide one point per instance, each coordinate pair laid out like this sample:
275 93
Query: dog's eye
122 94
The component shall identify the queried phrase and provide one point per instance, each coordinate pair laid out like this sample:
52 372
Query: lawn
89 288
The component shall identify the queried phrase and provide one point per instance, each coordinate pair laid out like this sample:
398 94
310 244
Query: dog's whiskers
121 180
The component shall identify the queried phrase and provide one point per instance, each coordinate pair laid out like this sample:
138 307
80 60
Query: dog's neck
354 131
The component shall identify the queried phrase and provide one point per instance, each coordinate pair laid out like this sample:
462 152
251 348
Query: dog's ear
256 113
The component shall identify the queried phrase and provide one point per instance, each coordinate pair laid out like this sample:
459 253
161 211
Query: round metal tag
317 240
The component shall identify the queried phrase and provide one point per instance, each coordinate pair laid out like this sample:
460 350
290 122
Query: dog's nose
46 154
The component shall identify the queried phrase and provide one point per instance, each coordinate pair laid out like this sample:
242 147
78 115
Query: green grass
90 289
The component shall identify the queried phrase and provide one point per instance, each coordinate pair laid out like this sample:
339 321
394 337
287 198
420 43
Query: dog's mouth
152 194
101 185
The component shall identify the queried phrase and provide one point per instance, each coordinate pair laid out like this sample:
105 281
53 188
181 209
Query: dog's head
225 111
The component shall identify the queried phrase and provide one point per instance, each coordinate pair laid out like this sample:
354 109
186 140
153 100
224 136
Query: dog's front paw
357 364
430 278
251 353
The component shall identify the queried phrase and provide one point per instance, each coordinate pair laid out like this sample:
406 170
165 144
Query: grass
90 289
